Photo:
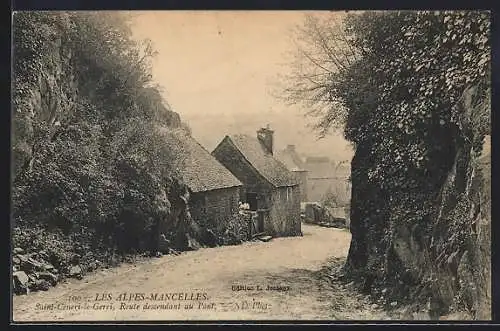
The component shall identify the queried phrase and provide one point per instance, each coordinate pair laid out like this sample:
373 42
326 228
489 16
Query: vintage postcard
251 166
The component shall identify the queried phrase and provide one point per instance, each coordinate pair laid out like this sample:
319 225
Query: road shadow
316 294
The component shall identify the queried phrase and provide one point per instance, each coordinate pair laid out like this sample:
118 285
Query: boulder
210 239
41 285
18 250
187 242
265 238
32 278
48 267
32 264
20 281
50 277
192 244
421 316
163 244
75 259
91 266
22 258
173 251
76 272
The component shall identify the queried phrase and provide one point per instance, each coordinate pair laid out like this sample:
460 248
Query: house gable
232 158
263 162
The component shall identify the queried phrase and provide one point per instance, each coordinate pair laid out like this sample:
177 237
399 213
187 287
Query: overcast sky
217 68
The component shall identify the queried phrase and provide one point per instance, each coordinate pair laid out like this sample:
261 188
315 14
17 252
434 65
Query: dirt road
284 279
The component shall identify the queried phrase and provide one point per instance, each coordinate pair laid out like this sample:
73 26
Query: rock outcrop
32 272
440 260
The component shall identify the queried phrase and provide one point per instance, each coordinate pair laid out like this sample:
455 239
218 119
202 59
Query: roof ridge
197 165
246 159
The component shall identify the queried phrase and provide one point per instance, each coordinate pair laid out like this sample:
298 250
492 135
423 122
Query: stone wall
284 212
243 170
214 208
301 177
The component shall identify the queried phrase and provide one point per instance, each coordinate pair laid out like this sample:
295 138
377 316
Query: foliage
232 231
236 230
58 247
414 91
87 160
329 199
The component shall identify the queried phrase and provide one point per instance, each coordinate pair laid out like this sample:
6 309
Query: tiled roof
198 168
269 167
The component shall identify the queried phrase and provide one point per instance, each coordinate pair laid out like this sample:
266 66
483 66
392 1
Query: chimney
265 136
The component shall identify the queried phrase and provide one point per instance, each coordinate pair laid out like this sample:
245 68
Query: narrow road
202 285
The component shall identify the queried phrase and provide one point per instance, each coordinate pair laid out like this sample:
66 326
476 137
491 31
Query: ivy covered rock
418 128
411 92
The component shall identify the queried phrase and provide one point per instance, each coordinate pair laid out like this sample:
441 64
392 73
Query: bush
59 248
234 232
237 230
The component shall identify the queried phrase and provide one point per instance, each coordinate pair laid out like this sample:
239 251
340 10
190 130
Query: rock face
52 86
474 268
443 257
462 246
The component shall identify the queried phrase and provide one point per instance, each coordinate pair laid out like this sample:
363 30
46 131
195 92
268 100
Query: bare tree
322 51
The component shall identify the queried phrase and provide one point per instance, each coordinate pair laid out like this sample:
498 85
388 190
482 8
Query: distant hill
210 128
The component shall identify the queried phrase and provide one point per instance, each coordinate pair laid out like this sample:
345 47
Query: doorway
252 201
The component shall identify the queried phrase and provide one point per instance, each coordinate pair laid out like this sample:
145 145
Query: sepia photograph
251 165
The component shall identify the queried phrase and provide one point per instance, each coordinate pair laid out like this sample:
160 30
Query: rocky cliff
436 257
82 147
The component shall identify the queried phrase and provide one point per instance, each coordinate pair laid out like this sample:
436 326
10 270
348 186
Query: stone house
213 190
269 187
324 177
292 160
